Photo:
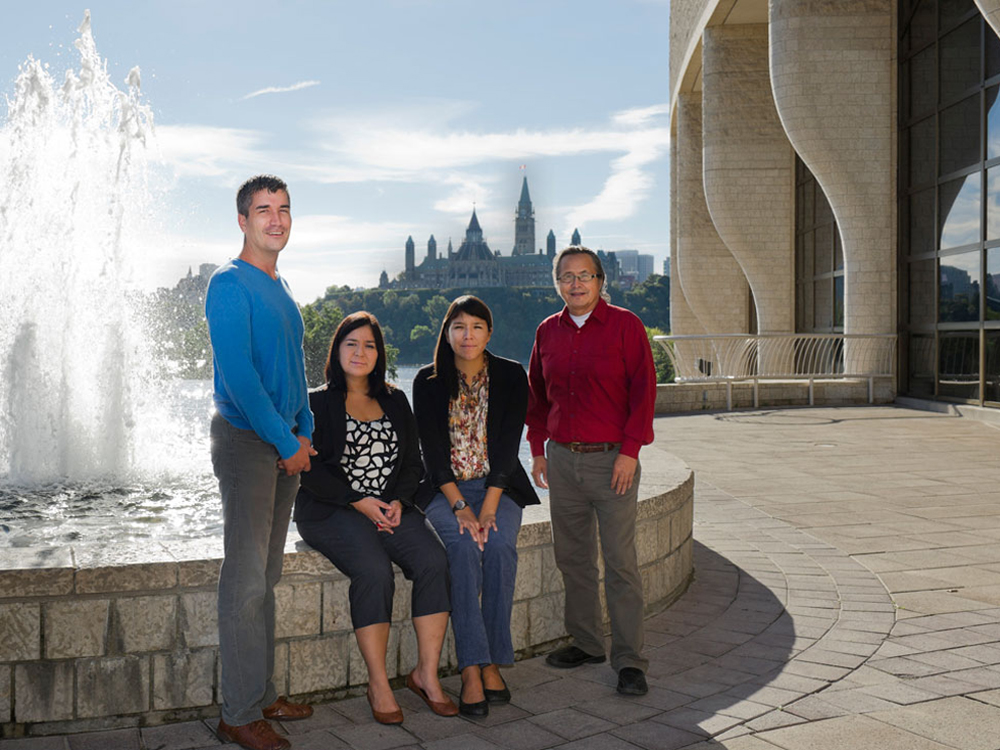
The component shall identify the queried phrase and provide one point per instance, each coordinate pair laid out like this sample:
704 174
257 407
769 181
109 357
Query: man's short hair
581 250
254 185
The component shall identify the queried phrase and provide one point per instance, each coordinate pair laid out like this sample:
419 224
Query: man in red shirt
593 387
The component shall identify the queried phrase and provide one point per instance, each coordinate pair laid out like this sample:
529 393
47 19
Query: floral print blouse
467 427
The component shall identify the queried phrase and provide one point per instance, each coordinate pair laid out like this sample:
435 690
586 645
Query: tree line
410 321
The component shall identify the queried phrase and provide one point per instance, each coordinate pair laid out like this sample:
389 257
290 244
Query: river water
168 507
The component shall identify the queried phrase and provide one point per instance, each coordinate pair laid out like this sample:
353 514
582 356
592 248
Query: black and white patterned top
371 450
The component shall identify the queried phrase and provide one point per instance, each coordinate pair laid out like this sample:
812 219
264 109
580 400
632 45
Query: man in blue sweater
261 440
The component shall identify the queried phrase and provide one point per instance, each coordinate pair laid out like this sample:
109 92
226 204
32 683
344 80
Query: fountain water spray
73 195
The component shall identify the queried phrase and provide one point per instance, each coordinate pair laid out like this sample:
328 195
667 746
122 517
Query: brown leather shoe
445 708
257 735
284 710
384 717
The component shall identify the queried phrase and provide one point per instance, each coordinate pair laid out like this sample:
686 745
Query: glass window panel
922 152
808 323
960 135
838 250
824 214
958 364
824 248
993 283
959 54
992 123
958 204
993 204
823 304
992 52
958 299
808 256
838 301
808 200
923 25
921 364
921 292
921 222
992 366
954 10
923 97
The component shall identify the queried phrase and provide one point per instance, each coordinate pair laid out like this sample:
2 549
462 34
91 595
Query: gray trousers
582 504
257 502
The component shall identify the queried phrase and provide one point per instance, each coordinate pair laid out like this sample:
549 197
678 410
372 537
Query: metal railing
737 357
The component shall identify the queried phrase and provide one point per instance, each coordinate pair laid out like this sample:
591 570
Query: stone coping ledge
99 636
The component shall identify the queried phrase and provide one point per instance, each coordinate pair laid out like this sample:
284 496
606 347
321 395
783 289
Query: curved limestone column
991 11
712 281
831 70
682 320
748 173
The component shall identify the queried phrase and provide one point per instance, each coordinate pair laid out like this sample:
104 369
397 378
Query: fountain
86 429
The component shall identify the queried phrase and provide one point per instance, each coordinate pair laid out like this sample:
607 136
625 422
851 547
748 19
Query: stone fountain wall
108 637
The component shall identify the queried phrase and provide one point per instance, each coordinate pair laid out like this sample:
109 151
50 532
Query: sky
387 118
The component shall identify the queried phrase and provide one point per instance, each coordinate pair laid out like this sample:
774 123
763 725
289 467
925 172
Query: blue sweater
256 331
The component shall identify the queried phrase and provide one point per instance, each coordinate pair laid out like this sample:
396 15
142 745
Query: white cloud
640 115
281 89
206 151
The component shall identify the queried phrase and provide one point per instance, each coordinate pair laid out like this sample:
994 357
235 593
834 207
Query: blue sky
387 118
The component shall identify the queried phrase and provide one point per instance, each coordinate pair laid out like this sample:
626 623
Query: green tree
436 308
661 360
320 320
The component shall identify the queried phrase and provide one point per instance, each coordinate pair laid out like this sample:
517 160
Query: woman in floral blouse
470 408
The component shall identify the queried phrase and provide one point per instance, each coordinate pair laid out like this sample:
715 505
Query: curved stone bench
99 637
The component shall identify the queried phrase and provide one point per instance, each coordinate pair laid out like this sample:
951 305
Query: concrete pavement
846 595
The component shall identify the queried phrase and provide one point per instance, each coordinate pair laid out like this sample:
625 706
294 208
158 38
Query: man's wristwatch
459 505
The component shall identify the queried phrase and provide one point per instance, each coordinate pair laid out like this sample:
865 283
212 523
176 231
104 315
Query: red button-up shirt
592 384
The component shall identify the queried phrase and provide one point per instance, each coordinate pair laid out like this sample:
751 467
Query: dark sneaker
571 656
632 681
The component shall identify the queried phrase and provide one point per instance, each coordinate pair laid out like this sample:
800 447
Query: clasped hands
385 516
478 528
298 462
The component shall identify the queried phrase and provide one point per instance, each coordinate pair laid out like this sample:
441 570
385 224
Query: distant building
666 266
575 240
645 267
550 244
629 260
476 265
524 224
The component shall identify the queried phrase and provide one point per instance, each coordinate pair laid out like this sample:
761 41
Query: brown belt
590 447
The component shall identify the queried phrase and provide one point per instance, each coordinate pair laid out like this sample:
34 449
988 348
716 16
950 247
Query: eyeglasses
567 278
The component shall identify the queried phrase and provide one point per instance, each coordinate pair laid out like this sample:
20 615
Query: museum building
835 168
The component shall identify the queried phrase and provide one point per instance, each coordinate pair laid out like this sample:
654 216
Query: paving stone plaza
846 595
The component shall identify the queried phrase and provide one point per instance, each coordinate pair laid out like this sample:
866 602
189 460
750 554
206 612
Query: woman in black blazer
470 408
355 506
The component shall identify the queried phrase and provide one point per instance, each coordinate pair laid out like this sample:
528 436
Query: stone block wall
675 398
99 638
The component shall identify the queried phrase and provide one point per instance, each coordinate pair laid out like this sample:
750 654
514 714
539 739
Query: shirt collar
599 313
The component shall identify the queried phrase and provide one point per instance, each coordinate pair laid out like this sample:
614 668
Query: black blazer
504 424
325 486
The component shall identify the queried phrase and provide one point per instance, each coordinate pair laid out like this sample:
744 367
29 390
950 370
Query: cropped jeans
481 627
257 502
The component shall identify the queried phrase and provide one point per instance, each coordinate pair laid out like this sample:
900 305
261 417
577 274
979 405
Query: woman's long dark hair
335 373
444 355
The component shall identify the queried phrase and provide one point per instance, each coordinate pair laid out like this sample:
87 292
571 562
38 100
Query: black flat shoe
498 696
478 710
571 656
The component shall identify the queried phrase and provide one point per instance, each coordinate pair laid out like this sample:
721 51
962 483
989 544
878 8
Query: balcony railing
737 357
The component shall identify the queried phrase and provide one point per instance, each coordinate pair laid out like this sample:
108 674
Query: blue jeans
256 505
482 628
